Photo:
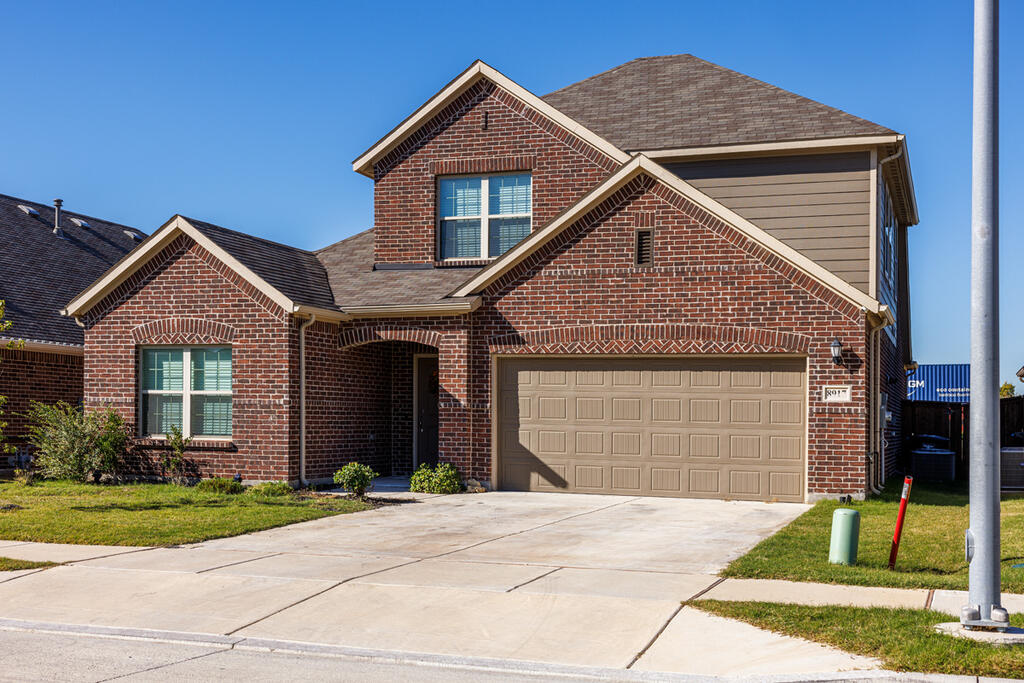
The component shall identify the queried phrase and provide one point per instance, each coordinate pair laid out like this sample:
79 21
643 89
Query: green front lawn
9 564
903 639
931 551
148 514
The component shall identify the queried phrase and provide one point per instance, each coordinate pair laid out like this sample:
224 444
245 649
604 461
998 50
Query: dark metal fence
953 421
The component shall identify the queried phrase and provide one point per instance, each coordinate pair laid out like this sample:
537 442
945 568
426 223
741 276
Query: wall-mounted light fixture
837 352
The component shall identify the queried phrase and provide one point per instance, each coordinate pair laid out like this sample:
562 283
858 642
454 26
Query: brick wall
515 138
27 376
185 296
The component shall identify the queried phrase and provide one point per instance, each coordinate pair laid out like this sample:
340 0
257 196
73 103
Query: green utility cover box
845 534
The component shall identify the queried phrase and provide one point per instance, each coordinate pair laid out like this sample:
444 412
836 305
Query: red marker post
899 522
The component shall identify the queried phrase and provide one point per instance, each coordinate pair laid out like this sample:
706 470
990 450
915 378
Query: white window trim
484 217
186 392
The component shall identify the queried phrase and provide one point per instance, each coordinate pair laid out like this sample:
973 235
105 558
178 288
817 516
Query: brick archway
651 338
183 331
368 335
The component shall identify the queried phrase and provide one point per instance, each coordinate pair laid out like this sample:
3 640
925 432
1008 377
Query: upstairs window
482 217
198 401
887 223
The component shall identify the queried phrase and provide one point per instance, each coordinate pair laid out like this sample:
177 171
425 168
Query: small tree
174 460
1006 390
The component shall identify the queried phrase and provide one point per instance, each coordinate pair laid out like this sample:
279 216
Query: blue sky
249 114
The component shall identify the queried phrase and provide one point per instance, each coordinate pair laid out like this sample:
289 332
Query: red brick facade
185 296
485 130
710 290
27 376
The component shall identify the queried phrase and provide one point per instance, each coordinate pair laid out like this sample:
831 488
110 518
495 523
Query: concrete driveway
565 579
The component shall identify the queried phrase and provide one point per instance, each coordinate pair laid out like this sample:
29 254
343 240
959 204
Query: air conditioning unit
933 464
1012 467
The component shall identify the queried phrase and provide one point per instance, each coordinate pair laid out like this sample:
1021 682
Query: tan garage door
699 428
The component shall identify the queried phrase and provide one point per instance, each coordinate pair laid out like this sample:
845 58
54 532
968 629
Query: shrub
76 444
174 460
442 479
26 477
355 477
271 488
220 485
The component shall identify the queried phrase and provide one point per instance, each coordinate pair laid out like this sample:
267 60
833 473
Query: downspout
302 399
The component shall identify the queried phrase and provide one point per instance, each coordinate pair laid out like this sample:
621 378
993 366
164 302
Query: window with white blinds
185 387
484 216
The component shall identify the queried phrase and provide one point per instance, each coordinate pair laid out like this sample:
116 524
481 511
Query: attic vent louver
644 247
28 209
81 223
134 235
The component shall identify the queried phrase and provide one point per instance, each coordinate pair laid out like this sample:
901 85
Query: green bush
271 488
174 460
442 479
76 444
220 485
355 477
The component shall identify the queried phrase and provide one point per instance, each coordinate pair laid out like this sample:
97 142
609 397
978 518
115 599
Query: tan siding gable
817 204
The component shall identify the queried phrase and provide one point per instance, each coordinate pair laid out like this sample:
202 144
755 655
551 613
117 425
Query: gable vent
28 209
81 223
644 247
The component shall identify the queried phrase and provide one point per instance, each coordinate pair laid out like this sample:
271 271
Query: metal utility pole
983 552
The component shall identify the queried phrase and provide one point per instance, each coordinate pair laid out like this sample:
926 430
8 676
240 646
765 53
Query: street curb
520 667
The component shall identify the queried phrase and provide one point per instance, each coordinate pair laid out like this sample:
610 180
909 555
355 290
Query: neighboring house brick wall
27 376
455 141
195 299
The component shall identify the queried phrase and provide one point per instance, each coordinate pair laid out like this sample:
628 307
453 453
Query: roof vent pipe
57 203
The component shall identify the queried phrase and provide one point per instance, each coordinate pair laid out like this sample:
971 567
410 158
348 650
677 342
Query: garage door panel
709 428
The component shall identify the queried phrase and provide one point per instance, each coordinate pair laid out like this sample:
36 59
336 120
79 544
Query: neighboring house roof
682 101
642 165
40 271
350 269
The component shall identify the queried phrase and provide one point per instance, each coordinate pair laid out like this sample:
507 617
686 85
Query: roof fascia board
793 145
459 306
324 314
911 192
510 258
41 346
142 254
124 268
641 164
477 71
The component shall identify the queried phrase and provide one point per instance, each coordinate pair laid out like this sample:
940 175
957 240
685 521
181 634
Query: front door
426 409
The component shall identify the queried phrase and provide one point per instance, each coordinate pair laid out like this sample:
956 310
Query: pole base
1002 635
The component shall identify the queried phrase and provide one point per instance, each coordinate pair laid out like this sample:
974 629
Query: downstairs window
197 401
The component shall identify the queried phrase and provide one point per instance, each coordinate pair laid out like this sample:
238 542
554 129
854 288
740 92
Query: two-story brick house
667 279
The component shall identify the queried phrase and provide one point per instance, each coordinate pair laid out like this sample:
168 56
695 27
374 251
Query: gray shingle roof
40 272
682 101
336 277
349 265
294 272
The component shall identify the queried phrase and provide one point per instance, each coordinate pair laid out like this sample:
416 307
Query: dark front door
426 410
